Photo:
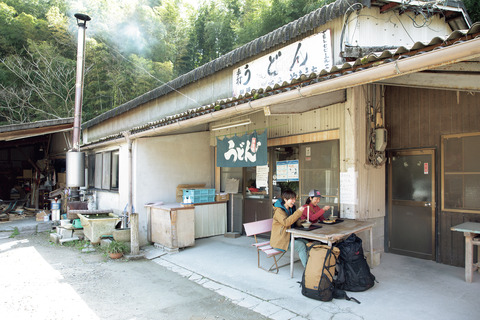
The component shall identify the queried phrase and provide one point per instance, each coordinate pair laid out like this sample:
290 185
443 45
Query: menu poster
287 171
262 177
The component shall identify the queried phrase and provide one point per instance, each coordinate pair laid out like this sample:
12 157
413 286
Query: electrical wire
148 73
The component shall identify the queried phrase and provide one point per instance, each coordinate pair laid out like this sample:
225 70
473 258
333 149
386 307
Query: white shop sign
309 55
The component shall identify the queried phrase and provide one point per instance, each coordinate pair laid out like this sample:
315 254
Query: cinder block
63 240
55 237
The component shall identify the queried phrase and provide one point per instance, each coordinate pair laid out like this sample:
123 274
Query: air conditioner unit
380 139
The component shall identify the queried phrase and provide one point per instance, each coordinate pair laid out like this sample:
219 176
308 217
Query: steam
130 24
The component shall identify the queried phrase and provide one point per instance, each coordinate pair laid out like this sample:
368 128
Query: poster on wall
287 171
348 187
262 177
249 150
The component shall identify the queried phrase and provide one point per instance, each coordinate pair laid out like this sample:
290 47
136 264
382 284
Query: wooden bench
261 227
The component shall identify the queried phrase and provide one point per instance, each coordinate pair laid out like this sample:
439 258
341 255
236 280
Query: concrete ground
407 288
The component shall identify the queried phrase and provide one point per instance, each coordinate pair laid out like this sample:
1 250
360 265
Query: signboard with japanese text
249 150
309 55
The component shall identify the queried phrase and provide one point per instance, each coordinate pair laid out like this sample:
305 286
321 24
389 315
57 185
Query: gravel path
42 280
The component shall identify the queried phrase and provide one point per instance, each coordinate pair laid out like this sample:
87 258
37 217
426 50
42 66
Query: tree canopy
133 46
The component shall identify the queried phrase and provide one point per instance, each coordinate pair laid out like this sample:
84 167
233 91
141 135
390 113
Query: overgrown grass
77 244
15 233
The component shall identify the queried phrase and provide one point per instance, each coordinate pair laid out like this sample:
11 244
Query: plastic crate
198 195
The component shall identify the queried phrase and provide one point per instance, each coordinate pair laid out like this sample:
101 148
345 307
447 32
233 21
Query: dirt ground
42 280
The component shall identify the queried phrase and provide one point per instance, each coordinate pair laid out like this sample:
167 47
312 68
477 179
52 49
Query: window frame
106 170
462 173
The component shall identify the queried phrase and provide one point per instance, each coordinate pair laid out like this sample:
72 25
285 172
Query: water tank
75 169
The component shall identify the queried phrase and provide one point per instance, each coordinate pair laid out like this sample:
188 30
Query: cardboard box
61 178
220 197
27 174
43 215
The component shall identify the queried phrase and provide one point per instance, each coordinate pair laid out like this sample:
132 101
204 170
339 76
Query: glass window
104 167
91 170
107 165
256 179
98 170
320 169
114 170
461 172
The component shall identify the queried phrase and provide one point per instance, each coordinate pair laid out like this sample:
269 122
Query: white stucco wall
369 27
115 199
160 164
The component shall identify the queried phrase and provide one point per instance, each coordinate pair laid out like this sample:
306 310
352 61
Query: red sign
425 168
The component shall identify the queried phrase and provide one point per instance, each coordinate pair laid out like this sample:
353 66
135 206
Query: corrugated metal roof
26 130
367 62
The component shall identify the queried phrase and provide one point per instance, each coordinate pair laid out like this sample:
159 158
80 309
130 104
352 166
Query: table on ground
330 234
470 230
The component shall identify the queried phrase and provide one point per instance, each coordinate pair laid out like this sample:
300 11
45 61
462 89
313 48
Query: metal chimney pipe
82 26
75 158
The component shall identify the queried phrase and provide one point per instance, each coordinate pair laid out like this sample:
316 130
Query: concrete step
25 226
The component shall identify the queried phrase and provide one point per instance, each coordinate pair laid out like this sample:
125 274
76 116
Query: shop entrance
299 167
411 193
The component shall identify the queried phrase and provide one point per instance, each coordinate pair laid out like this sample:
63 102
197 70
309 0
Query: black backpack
353 272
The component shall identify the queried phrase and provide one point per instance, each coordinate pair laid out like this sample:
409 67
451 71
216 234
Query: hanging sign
306 56
249 150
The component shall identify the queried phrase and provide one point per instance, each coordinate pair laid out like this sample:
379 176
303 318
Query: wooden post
134 248
468 256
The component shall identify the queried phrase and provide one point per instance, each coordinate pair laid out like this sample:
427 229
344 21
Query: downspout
134 243
126 134
436 58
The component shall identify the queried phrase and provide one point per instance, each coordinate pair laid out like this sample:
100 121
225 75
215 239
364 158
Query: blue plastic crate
198 195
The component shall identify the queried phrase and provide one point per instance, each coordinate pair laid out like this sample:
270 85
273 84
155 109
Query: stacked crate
198 195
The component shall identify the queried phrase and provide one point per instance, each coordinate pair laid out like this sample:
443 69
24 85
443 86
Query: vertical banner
249 150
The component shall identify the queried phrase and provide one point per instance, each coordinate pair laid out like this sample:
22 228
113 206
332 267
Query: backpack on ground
318 277
353 272
318 280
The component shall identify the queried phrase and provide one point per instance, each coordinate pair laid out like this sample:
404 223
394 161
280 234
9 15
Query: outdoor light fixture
233 124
